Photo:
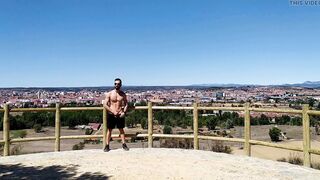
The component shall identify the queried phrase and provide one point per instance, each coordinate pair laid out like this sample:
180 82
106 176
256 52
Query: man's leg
107 148
124 146
109 136
122 135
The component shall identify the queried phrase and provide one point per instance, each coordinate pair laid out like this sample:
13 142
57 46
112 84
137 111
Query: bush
89 131
37 128
315 165
282 160
176 143
295 159
218 146
274 134
211 122
167 130
19 134
75 147
78 146
16 149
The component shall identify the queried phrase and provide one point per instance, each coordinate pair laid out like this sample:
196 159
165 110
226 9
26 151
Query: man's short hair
118 79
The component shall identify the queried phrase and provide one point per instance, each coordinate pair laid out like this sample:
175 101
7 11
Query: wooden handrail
305 112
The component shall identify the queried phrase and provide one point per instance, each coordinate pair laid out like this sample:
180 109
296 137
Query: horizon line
191 85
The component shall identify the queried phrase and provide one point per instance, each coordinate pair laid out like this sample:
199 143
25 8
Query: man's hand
122 114
115 113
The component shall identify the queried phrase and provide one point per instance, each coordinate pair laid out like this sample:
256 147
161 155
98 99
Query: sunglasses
117 83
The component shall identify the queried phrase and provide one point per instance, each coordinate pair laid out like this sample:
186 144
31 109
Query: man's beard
117 88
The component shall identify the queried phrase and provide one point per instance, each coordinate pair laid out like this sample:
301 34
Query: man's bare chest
115 97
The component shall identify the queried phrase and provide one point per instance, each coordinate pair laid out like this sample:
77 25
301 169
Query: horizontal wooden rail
2 141
221 108
32 139
1 110
142 135
81 108
191 137
172 107
81 137
141 107
173 136
315 151
61 137
291 111
222 139
31 109
262 143
313 112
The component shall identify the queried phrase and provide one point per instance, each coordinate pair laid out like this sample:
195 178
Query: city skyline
157 43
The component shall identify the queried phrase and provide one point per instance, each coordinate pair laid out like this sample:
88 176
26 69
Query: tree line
181 118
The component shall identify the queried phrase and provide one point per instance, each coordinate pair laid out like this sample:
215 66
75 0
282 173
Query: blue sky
157 42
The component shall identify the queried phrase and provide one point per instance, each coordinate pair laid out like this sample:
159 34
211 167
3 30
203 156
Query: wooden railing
305 112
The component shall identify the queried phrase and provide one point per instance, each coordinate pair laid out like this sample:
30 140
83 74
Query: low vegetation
297 160
218 146
19 134
274 134
78 146
167 130
16 149
176 143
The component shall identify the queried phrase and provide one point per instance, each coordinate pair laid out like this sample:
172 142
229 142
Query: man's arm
106 103
125 102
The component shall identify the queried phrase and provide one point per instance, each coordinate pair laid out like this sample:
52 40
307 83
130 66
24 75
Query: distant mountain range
306 84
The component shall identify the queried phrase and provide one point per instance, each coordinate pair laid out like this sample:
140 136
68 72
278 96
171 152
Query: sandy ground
258 133
143 163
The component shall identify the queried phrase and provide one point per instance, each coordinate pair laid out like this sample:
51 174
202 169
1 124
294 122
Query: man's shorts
114 121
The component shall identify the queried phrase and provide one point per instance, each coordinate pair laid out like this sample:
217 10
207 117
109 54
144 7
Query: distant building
220 95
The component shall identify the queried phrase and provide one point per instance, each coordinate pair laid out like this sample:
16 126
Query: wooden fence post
57 128
306 135
105 128
150 125
247 130
6 130
195 126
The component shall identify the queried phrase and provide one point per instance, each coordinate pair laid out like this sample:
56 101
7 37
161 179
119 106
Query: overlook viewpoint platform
147 163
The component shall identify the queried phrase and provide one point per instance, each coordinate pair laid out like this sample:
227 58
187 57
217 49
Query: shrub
78 146
19 134
75 147
315 165
274 134
16 149
167 130
295 159
37 128
89 131
282 160
218 146
176 143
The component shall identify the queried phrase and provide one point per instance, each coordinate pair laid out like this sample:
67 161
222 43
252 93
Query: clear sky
157 42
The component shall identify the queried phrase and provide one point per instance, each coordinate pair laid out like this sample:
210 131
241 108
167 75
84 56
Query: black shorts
114 121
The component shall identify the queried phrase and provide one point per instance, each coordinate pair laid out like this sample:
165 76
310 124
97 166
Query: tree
212 122
167 130
37 128
274 134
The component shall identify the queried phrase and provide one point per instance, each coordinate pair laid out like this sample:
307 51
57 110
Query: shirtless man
116 104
